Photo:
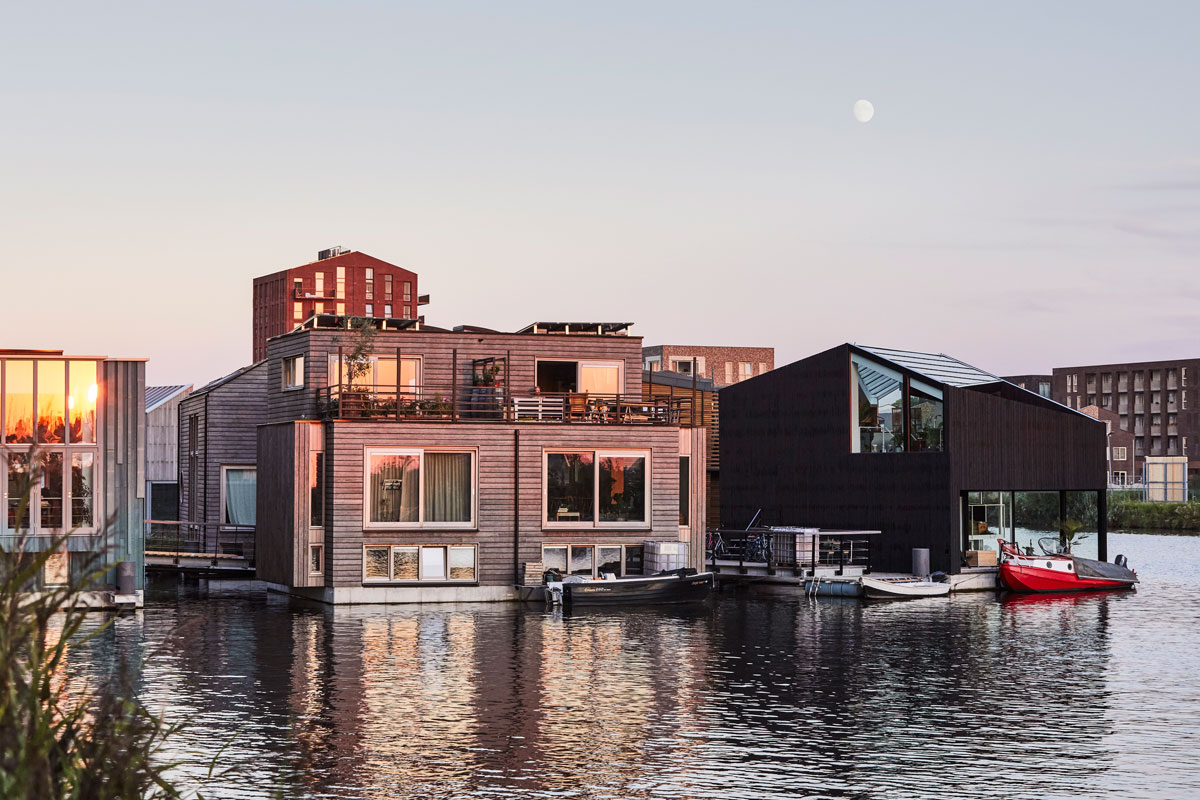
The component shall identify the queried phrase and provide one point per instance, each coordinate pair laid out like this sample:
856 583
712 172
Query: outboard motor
1121 561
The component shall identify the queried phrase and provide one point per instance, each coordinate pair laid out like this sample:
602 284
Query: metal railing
479 403
174 538
792 548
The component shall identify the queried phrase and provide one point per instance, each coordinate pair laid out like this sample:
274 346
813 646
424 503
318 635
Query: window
593 560
380 374
454 563
238 495
51 402
408 291
370 309
370 286
316 490
319 281
1119 478
293 372
593 377
316 559
387 288
682 366
341 284
684 492
18 405
596 488
51 494
341 309
412 488
1119 453
387 310
82 489
745 369
298 312
880 395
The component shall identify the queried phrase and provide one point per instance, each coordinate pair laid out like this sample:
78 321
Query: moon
864 111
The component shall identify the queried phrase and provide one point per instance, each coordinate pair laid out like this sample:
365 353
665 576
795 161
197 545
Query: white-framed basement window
593 560
420 563
419 488
596 488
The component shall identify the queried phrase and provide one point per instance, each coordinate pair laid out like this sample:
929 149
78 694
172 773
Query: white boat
902 588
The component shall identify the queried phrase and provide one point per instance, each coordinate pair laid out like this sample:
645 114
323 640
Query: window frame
420 524
596 545
319 550
596 522
445 547
580 363
226 525
297 362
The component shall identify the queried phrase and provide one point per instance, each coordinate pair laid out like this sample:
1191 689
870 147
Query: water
757 697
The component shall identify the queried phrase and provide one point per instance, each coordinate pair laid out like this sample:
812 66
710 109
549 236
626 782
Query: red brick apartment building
724 366
340 282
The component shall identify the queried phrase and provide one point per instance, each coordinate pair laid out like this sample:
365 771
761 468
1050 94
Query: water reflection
759 697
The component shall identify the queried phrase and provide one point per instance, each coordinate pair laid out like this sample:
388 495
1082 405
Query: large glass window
18 490
51 491
925 415
420 563
570 487
878 397
82 489
82 402
415 487
239 485
379 374
52 403
593 377
590 487
18 402
370 286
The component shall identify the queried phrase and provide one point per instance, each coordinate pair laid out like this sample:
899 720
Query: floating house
922 447
404 463
162 451
73 458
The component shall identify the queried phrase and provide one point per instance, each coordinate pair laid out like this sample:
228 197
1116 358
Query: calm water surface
755 697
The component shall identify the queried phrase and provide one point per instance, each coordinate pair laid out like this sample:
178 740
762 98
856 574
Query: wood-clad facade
320 533
788 444
703 411
74 439
162 451
218 432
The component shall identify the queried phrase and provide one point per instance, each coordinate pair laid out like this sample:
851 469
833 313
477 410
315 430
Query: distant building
1034 383
340 282
1154 400
1121 467
724 366
162 451
77 424
921 447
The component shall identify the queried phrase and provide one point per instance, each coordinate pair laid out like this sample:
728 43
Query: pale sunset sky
1027 194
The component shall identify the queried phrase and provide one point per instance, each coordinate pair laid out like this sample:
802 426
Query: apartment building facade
724 366
1155 401
340 282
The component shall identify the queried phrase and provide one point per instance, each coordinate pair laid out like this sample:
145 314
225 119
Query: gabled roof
208 387
157 395
938 367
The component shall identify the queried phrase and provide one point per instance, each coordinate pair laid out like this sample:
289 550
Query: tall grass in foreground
59 737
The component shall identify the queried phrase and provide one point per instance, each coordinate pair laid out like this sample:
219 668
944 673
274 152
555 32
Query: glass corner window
891 412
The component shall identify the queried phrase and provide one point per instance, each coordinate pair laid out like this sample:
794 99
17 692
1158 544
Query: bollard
920 562
126 577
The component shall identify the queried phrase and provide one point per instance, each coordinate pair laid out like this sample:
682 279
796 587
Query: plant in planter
1069 535
486 375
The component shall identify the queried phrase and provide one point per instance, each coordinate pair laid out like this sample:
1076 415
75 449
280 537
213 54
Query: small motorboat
676 586
902 588
1060 572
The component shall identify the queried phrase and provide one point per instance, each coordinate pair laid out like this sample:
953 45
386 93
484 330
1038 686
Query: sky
1025 197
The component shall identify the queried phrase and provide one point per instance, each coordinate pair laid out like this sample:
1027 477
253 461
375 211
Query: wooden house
162 451
73 444
924 448
403 463
702 402
218 430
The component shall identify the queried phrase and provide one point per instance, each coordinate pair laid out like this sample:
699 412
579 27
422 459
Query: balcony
301 293
456 403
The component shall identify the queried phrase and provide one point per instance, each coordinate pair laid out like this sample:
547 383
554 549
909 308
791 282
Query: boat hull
665 589
876 589
1024 578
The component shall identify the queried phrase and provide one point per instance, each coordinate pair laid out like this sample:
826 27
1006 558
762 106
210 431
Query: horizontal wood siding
344 448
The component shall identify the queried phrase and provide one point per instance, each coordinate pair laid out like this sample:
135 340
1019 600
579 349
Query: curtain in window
394 480
447 487
240 494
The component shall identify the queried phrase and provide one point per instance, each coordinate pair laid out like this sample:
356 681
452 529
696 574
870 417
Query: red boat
1060 572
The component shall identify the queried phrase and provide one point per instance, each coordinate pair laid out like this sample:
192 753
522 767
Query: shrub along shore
1136 515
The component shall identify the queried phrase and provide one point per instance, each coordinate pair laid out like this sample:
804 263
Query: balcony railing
797 549
200 538
493 403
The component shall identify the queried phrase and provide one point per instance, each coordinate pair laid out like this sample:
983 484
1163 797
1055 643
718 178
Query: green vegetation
59 737
1134 514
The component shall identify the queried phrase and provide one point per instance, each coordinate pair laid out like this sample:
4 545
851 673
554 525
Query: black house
924 448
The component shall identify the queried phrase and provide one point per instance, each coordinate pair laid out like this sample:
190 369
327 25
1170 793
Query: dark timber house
404 463
74 444
924 448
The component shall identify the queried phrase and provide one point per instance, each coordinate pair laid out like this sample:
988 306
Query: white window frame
595 553
297 362
589 362
1124 477
369 525
597 454
1120 454
320 548
675 362
224 469
421 547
